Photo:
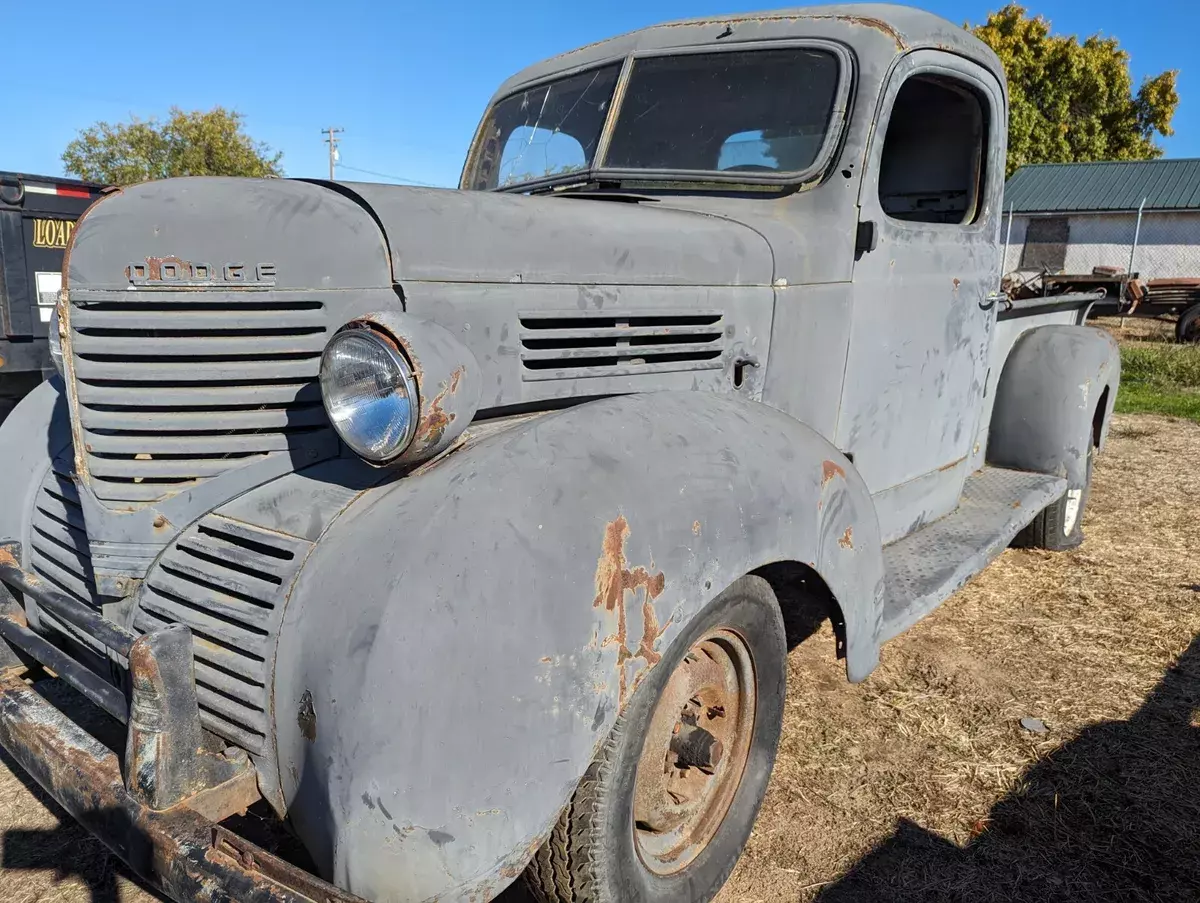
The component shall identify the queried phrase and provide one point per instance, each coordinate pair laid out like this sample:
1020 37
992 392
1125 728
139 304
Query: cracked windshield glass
545 131
755 111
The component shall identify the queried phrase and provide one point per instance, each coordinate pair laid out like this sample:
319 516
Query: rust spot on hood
847 540
829 470
614 578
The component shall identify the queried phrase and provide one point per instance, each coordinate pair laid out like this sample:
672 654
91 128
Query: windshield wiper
596 190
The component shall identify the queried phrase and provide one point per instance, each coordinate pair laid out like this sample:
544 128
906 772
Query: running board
925 568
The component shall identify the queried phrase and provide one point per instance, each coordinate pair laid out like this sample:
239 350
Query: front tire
662 814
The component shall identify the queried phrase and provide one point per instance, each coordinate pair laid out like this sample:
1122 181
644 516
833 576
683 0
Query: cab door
926 263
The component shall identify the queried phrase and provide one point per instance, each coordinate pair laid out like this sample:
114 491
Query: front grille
561 345
58 549
227 581
178 387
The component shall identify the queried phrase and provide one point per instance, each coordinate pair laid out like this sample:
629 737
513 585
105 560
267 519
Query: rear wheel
1060 526
662 814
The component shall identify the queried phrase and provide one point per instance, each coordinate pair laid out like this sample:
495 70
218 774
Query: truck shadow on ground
1113 814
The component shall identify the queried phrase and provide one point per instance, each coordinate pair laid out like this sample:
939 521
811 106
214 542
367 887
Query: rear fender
460 641
1049 397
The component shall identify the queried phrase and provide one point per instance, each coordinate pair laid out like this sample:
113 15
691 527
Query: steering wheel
750 167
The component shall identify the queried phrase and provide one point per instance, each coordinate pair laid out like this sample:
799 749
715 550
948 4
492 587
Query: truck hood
442 235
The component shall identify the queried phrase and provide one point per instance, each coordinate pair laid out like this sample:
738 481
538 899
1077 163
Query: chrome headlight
369 393
55 339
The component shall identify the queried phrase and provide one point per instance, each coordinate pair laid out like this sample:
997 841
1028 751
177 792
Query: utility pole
333 143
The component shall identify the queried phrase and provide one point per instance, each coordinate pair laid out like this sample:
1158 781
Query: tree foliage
1072 101
188 143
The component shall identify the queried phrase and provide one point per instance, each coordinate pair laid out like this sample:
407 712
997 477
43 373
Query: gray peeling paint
448 640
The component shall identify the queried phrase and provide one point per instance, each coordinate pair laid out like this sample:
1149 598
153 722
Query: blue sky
407 81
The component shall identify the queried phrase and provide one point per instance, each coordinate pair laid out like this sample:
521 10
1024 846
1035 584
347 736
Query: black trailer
37 214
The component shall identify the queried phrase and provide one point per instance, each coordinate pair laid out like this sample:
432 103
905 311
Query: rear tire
1059 526
1187 327
620 839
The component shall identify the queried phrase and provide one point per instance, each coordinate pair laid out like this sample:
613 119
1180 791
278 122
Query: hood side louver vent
570 345
226 581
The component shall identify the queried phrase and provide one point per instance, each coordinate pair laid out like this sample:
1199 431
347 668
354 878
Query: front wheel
662 814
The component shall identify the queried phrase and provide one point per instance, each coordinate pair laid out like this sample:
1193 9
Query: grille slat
207 421
133 319
252 397
211 654
58 551
182 567
205 625
179 387
228 608
226 580
195 371
254 696
253 346
200 446
132 468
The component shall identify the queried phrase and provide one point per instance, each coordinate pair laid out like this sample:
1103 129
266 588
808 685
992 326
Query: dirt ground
920 784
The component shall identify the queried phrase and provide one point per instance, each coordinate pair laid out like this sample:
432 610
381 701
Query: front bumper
161 812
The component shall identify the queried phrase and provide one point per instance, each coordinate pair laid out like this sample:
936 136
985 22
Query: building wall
1168 247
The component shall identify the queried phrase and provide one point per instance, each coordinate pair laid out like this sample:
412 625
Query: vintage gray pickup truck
459 530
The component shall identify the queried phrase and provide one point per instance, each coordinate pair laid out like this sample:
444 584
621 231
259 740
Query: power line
333 143
384 175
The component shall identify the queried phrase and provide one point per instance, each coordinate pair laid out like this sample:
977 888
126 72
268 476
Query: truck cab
459 528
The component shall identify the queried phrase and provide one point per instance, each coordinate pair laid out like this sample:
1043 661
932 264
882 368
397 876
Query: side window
932 169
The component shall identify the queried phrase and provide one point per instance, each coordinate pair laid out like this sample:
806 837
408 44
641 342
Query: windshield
546 131
741 111
761 111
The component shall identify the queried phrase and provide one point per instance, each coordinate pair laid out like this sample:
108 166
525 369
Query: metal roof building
1073 217
1115 186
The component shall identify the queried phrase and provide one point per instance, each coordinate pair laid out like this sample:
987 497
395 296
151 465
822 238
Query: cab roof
877 28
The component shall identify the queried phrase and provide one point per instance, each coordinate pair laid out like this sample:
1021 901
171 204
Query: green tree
195 143
1072 101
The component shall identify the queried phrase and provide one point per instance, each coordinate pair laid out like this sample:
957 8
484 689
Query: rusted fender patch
435 419
614 578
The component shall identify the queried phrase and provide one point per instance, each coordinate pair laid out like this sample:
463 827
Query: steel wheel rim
694 753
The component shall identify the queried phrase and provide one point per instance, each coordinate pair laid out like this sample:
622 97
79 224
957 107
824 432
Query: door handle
992 297
866 239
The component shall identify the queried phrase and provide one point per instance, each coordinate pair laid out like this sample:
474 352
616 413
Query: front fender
1047 398
459 641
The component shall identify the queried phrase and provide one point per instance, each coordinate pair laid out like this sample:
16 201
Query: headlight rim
366 329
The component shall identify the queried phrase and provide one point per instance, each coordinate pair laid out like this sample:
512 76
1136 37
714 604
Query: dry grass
1137 329
919 784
